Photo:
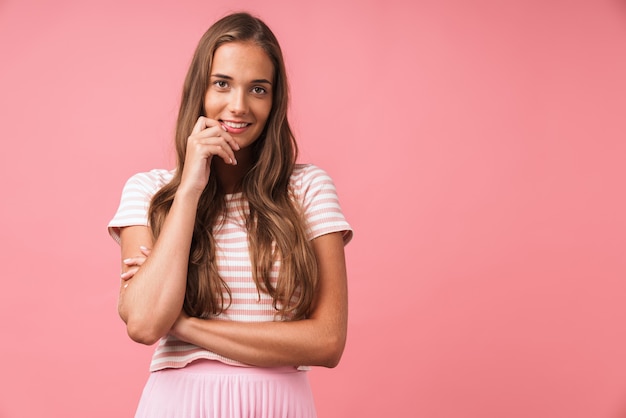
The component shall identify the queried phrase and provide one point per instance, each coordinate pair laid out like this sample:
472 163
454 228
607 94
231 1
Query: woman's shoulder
306 174
309 181
153 179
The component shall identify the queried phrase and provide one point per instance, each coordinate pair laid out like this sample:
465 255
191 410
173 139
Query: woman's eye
221 84
258 90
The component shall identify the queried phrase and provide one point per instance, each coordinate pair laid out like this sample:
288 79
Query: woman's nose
238 103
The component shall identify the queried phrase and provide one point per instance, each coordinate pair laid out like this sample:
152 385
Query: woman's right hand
208 138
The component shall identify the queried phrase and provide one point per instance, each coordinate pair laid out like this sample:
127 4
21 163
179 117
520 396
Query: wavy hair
275 223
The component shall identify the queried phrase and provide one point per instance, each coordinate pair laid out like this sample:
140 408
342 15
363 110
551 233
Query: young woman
233 261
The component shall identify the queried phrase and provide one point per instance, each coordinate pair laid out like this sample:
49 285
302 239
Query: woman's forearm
268 344
151 301
316 341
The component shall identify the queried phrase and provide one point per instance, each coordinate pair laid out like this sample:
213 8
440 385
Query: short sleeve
135 201
320 203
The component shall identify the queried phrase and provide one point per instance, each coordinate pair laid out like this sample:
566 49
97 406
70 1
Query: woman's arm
153 289
316 341
152 299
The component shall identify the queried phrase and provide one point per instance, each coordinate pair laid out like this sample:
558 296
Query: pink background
478 149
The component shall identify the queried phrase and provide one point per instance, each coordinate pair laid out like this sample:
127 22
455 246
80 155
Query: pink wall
478 149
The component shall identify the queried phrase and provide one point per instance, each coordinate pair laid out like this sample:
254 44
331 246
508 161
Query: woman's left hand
134 263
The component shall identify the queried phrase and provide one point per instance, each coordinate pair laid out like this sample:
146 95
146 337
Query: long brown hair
275 223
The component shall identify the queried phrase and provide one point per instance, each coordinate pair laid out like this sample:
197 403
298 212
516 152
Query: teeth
235 125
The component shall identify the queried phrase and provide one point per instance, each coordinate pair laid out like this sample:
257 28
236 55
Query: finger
207 128
214 129
129 274
229 138
219 147
213 136
202 123
226 153
134 261
145 250
233 144
199 126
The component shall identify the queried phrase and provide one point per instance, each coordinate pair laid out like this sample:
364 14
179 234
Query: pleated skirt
211 389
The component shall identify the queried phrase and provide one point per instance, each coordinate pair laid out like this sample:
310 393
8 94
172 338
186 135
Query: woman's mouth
234 127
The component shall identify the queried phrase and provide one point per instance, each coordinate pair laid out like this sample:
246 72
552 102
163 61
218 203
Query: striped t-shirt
312 188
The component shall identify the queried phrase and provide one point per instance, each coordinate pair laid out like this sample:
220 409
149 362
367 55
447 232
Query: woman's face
240 90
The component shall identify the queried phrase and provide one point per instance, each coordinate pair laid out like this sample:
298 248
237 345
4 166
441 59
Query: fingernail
224 128
234 161
141 247
127 261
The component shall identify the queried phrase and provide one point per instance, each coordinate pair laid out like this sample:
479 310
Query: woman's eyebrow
227 77
224 76
262 80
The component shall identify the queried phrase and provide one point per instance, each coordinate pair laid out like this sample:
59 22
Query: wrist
188 194
181 327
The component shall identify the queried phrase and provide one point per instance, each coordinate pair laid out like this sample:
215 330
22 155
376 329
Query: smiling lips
235 127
